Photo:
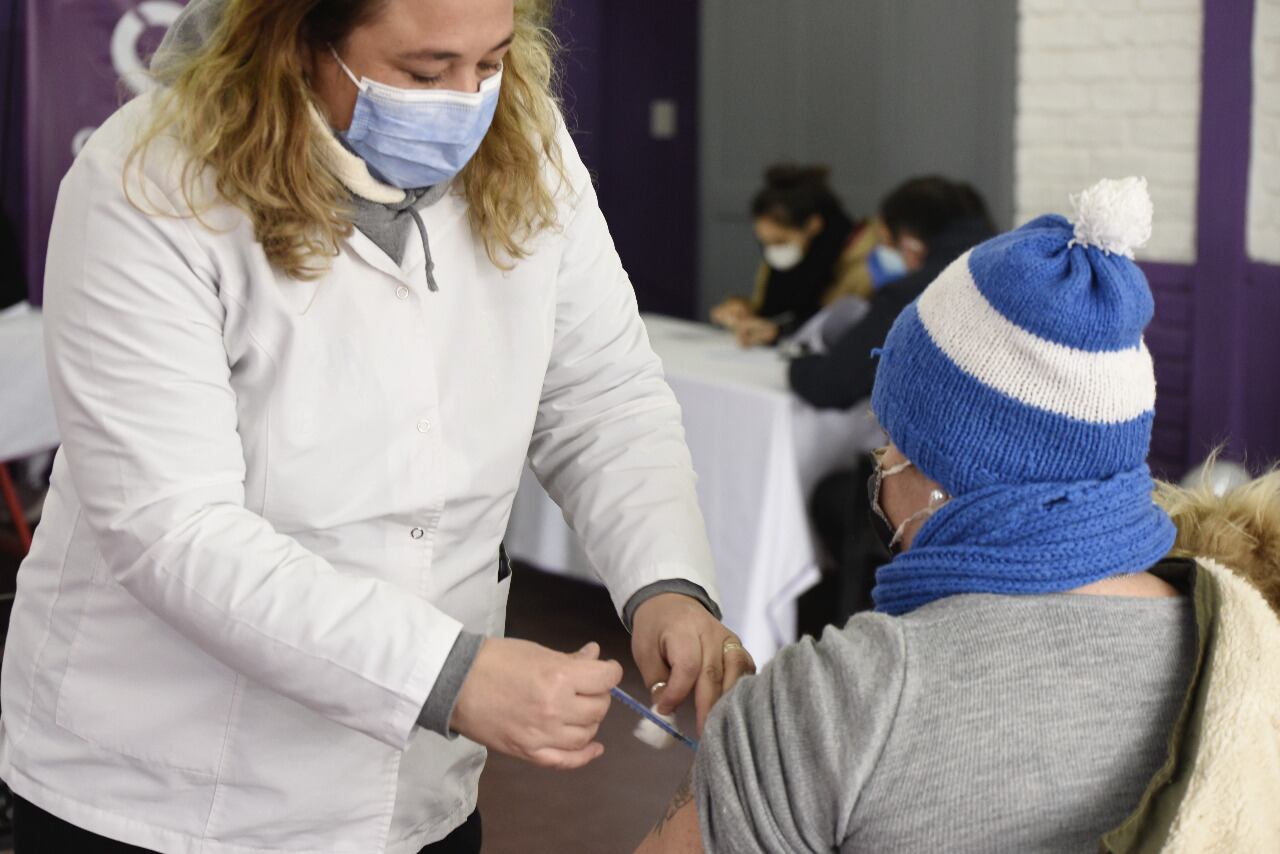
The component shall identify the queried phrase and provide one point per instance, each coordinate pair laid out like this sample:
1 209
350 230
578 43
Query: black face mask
879 524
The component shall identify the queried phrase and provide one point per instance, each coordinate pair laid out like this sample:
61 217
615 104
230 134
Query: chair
16 510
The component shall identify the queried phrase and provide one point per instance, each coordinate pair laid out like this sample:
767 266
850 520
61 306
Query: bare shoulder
677 831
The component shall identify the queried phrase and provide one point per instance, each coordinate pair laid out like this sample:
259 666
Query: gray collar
386 224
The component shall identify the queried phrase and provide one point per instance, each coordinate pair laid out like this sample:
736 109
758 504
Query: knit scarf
1032 538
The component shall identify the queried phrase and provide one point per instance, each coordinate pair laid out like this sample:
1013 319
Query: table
27 426
758 452
26 407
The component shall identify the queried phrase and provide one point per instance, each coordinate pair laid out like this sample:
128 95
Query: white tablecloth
26 409
758 452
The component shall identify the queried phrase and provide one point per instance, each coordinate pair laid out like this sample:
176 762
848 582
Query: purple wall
1169 339
72 54
579 24
1217 354
619 58
1221 324
1235 398
1217 357
1258 385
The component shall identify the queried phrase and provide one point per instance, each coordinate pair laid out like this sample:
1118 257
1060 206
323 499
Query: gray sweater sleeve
438 710
785 755
671 585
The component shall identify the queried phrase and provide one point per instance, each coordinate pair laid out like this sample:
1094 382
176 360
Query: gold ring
730 646
657 686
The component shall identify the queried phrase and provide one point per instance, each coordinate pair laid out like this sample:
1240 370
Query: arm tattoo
683 795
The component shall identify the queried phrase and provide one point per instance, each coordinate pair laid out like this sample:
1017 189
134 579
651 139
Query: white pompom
1113 215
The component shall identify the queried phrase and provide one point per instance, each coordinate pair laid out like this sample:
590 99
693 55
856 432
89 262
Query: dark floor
8 575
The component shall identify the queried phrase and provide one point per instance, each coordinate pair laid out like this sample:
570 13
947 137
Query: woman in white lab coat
310 306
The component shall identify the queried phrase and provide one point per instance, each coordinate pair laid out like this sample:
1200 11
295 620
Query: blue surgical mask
886 264
414 138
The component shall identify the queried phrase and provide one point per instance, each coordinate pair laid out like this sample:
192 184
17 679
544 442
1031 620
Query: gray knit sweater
977 723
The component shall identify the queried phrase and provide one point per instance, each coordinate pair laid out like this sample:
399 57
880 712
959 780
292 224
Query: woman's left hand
756 331
675 640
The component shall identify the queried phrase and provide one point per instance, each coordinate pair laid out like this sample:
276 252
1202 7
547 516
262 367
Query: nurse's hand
536 704
676 641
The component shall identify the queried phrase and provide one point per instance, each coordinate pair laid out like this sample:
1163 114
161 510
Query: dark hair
793 194
925 206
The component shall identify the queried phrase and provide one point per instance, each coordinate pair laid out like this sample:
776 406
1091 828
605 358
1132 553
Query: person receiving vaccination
1043 670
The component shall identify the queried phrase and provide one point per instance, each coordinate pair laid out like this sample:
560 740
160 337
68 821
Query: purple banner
83 59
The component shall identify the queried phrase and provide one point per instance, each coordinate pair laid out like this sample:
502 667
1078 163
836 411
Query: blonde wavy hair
240 106
1239 529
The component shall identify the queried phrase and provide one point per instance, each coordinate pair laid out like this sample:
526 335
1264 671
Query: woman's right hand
731 312
536 704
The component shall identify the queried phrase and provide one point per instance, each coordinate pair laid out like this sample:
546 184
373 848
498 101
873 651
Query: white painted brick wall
1264 164
1108 88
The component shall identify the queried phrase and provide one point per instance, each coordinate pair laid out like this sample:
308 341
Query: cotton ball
654 735
1113 215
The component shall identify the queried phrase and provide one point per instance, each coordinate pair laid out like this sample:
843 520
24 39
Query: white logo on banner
81 137
126 38
127 35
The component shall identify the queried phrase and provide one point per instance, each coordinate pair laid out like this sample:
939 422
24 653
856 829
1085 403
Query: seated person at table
1033 648
926 222
813 254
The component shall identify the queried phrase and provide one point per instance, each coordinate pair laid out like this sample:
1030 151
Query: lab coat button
402 292
417 533
424 425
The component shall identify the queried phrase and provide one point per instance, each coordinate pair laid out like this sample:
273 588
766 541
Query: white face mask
783 256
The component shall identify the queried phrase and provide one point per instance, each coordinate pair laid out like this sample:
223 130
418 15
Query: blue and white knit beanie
1020 375
1024 361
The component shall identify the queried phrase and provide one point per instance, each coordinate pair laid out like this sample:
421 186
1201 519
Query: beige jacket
1220 787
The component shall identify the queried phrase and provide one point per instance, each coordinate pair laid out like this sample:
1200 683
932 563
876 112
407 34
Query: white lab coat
278 502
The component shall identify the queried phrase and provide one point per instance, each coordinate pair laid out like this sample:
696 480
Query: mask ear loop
881 474
361 85
936 498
